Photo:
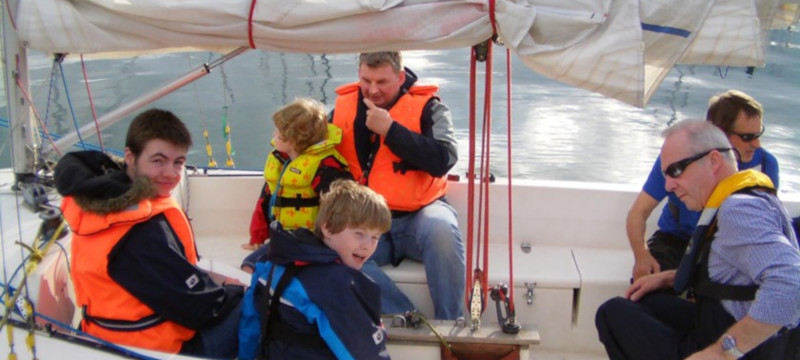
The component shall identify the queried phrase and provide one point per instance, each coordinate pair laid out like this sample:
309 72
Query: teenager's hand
645 264
378 119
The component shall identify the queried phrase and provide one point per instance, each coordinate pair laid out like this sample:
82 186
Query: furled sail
619 48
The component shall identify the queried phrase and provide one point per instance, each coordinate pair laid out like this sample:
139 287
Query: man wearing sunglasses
742 269
740 118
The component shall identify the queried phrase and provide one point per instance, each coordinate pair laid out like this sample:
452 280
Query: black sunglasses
676 169
748 137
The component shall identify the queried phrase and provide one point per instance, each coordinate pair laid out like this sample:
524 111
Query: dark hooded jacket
335 309
147 261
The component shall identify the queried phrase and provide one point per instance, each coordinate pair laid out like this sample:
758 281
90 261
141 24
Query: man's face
745 125
354 245
695 184
160 161
381 84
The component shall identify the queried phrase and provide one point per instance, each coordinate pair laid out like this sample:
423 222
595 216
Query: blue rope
88 146
274 196
50 93
81 333
71 108
95 338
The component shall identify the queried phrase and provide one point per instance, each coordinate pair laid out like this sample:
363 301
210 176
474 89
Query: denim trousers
431 236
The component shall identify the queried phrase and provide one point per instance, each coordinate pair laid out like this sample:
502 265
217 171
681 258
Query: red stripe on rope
250 24
36 115
91 105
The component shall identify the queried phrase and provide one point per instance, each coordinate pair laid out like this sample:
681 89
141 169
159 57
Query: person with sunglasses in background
741 272
739 116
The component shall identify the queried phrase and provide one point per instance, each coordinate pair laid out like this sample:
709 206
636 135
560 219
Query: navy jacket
325 299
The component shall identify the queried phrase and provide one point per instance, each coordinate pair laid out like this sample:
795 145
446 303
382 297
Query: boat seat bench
545 279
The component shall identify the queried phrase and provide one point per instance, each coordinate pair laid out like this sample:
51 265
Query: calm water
559 132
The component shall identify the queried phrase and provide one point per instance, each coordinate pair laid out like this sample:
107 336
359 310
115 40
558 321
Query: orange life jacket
407 190
93 238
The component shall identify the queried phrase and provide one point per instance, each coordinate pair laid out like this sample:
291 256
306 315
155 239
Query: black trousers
663 326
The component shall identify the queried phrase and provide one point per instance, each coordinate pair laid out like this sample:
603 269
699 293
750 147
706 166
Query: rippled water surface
558 132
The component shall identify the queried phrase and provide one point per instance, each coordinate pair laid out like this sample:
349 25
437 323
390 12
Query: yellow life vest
295 203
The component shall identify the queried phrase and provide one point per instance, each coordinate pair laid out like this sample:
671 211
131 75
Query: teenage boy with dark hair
133 255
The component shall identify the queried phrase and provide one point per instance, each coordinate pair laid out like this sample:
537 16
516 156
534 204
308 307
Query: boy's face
354 245
160 161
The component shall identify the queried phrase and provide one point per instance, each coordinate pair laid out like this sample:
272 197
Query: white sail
619 48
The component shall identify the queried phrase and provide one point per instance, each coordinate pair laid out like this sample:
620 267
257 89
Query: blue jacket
324 298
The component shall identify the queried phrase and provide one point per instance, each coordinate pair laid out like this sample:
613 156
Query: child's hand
232 281
251 247
378 119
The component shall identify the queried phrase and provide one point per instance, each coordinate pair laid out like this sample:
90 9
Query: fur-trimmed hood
98 183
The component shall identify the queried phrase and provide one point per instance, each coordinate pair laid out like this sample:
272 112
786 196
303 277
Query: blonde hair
350 205
304 122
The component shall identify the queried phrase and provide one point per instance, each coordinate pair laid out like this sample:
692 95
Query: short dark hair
156 124
724 108
376 59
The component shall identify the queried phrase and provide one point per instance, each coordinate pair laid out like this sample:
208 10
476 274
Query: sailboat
568 251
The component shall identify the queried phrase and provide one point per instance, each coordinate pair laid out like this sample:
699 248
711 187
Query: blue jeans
219 341
431 236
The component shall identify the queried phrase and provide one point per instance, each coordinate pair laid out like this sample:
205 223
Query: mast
22 132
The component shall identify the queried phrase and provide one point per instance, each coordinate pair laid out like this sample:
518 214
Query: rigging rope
209 152
50 91
226 131
510 207
11 16
71 108
472 288
91 105
36 115
226 128
250 25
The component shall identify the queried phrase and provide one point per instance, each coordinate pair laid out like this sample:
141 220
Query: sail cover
620 48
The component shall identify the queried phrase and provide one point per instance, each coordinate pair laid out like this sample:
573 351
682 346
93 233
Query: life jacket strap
282 332
123 325
296 202
721 291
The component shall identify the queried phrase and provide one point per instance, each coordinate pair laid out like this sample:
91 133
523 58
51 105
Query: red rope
492 18
510 211
36 115
487 131
471 175
10 16
250 24
91 105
